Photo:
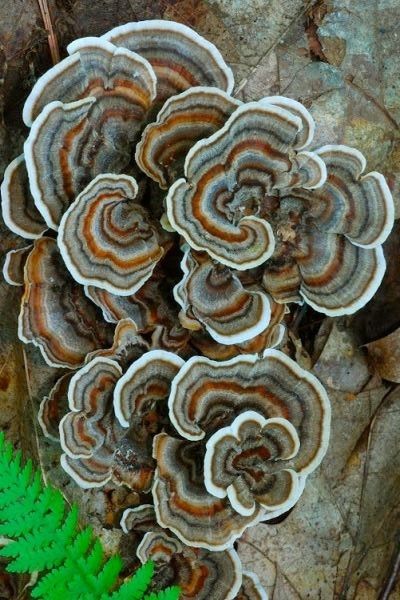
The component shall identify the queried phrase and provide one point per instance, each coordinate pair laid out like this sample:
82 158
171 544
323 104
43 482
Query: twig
393 574
30 395
52 38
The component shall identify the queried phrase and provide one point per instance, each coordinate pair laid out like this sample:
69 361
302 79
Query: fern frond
136 587
46 537
171 593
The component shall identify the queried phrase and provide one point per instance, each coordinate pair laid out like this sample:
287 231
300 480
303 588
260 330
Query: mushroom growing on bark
251 198
107 239
253 428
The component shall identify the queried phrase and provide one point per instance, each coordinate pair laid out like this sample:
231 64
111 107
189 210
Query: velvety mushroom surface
211 294
107 239
55 314
181 58
19 211
246 463
253 428
184 119
184 505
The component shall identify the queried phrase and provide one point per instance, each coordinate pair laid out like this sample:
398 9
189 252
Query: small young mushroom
14 265
55 314
54 407
180 57
212 295
200 574
107 239
128 344
246 462
183 120
19 211
140 519
271 337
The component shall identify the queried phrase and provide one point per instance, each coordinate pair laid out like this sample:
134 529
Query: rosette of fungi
107 433
252 196
246 462
212 296
200 574
127 346
276 418
108 240
105 93
336 262
55 314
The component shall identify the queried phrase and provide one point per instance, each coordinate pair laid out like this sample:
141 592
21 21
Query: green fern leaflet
44 536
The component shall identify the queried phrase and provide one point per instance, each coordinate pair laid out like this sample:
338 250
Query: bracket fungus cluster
170 228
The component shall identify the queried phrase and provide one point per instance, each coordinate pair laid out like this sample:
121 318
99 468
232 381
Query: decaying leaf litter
339 59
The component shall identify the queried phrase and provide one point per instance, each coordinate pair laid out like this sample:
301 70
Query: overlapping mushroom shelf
170 227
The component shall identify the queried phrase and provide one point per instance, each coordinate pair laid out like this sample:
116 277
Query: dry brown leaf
384 355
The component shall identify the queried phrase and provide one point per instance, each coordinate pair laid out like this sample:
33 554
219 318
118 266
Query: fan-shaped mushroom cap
228 176
251 588
77 141
55 314
140 518
211 294
180 57
355 205
95 68
329 249
91 472
269 338
183 120
82 431
53 407
14 265
306 134
343 264
338 277
148 307
106 239
207 395
182 503
144 386
246 462
200 574
19 211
